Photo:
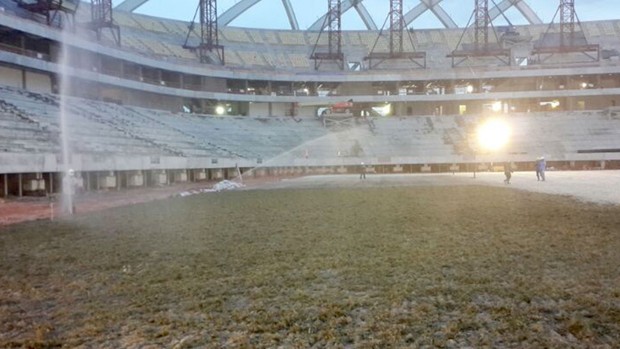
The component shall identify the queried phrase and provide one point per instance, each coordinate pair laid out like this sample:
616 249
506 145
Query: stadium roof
368 14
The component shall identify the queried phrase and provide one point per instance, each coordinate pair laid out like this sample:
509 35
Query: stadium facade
149 112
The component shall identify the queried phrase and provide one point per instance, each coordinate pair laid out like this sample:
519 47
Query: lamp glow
220 110
493 134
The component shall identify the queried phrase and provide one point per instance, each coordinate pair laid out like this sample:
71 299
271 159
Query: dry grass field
418 267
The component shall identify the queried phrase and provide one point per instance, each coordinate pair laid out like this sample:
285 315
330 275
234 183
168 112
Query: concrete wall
38 82
11 77
259 109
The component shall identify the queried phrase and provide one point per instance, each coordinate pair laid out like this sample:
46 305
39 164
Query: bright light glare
384 110
219 110
493 134
496 106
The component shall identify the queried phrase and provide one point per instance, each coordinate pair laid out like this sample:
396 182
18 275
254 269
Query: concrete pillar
88 181
118 181
19 185
6 185
51 183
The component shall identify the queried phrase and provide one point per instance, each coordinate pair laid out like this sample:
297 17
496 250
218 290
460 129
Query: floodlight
496 106
493 134
220 110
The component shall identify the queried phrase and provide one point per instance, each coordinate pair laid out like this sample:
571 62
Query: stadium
103 100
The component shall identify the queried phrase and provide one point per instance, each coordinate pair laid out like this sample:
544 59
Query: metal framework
51 8
481 26
396 21
397 25
567 22
481 47
334 36
102 17
433 6
570 39
209 39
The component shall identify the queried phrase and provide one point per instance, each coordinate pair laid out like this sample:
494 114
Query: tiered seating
292 38
323 39
125 20
420 37
176 27
29 123
277 60
87 133
150 24
591 29
177 50
452 38
299 60
607 28
352 38
18 135
251 58
256 36
232 58
138 122
135 43
236 35
271 37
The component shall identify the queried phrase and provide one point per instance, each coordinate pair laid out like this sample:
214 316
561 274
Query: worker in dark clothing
507 172
362 171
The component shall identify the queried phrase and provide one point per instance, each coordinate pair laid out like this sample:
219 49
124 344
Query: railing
25 52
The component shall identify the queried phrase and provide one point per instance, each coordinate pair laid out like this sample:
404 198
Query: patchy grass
448 267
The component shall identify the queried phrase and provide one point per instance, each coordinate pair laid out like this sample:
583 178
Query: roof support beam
435 8
528 13
346 6
237 10
365 16
290 12
520 5
130 5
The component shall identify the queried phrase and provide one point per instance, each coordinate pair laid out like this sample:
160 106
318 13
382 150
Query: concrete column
88 181
118 181
19 185
51 183
6 185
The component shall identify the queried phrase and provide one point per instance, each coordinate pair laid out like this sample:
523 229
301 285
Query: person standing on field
507 172
541 166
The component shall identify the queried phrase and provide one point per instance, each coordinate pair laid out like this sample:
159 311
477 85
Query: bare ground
363 267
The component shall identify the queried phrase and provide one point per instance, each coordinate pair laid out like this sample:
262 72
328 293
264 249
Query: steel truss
570 40
102 17
51 8
481 47
333 23
209 38
396 21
